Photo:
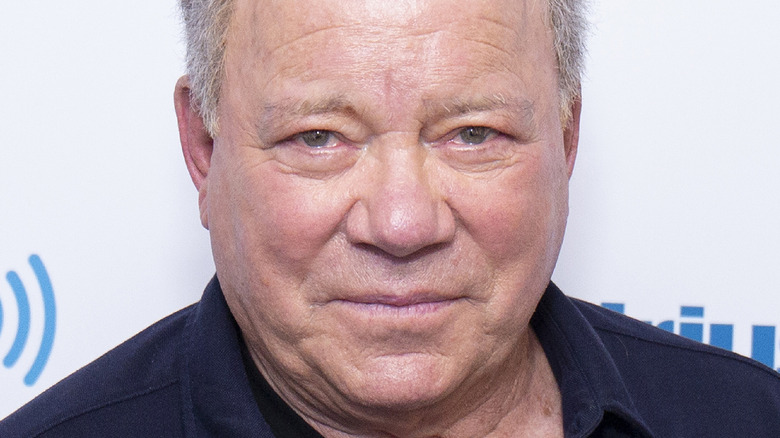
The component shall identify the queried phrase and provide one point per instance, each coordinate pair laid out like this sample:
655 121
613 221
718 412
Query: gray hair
206 25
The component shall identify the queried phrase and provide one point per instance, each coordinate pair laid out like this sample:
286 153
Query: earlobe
196 143
571 134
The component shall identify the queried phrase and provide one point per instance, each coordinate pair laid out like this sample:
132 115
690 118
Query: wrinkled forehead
275 24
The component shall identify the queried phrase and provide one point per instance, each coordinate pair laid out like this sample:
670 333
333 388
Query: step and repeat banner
675 198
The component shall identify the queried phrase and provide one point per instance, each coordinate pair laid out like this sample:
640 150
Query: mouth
398 306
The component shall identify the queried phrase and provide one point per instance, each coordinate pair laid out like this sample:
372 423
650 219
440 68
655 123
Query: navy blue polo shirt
184 377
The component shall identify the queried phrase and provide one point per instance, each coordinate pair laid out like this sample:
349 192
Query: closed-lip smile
417 304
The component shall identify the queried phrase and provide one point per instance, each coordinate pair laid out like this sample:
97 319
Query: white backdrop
674 199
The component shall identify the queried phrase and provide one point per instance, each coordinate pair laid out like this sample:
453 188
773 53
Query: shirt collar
592 390
217 397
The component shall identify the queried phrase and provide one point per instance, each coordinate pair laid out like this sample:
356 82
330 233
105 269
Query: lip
398 300
398 305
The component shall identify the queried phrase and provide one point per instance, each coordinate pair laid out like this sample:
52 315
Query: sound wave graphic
23 331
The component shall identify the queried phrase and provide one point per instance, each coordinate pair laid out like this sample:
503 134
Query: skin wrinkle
284 46
300 242
275 116
488 44
205 54
278 116
497 22
364 32
458 106
520 111
290 108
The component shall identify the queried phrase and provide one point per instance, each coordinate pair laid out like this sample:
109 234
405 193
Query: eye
474 134
316 138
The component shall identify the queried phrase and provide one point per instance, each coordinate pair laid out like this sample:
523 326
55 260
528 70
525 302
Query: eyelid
297 138
288 128
332 136
490 133
453 135
449 127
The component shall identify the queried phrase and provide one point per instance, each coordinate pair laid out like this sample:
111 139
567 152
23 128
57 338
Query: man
385 186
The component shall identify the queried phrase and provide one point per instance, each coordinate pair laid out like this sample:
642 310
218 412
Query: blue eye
474 134
316 138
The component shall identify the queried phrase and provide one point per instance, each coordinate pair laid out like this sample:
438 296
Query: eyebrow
277 113
522 108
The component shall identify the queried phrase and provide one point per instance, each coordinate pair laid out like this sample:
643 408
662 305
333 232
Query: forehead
389 47
282 21
281 25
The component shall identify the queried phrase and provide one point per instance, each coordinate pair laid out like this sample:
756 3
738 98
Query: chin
402 383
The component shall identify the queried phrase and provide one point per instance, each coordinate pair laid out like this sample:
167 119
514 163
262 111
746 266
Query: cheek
286 218
518 216
267 228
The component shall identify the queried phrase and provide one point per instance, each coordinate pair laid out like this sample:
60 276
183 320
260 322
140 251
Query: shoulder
671 377
665 347
129 391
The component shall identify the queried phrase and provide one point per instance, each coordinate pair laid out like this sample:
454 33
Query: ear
196 143
571 133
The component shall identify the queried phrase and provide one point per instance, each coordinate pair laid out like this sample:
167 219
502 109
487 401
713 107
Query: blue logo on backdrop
721 335
23 331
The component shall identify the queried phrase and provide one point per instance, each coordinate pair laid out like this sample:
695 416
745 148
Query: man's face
387 193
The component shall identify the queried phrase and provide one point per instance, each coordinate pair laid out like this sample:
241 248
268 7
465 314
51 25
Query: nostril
401 229
401 259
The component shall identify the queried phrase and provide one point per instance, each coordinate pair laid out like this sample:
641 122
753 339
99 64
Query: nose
401 208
